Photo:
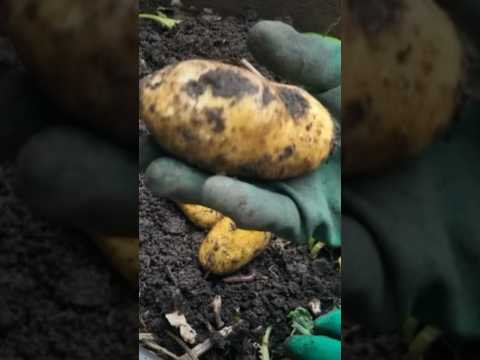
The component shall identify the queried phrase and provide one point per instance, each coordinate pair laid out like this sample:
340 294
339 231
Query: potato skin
85 56
201 216
122 253
226 119
401 79
227 248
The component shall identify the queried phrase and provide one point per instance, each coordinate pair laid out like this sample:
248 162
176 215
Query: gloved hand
65 174
296 209
412 237
324 344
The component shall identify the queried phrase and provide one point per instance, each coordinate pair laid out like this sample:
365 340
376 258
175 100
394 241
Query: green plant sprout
161 18
315 247
301 321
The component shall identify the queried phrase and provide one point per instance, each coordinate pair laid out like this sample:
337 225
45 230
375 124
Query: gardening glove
296 209
65 174
324 344
412 237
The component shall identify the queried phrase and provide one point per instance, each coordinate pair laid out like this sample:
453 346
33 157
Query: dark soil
59 299
171 277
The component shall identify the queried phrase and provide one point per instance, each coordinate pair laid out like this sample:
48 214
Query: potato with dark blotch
401 76
225 119
201 216
227 249
122 253
85 55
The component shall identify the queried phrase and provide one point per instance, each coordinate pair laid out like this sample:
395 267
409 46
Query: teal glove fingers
251 207
311 60
169 178
329 324
332 100
304 347
148 151
71 177
297 209
324 345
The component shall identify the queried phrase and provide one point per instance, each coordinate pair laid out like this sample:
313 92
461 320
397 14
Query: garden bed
171 278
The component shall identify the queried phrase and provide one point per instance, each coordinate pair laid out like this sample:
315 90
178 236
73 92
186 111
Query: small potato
227 248
401 80
225 119
200 216
84 54
122 253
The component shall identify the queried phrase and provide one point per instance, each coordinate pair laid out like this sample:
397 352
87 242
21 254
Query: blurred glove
412 237
65 174
296 209
324 344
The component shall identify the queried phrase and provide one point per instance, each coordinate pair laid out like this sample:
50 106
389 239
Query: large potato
401 79
122 253
85 54
227 248
226 119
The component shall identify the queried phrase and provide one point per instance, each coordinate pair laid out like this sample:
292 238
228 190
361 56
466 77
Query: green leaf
301 321
161 18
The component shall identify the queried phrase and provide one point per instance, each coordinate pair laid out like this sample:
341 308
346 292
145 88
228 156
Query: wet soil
59 298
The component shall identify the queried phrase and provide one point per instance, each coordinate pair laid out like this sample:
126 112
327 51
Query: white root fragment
315 307
250 67
203 347
179 321
217 309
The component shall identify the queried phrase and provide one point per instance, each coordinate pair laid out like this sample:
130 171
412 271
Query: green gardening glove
296 209
323 342
65 174
412 236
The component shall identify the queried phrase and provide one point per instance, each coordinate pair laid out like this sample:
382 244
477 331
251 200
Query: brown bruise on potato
267 96
225 119
215 118
295 102
398 100
223 83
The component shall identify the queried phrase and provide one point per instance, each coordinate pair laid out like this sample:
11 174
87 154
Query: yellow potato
200 216
122 253
225 119
227 248
85 55
401 74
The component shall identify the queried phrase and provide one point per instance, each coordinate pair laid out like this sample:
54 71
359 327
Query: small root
236 279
